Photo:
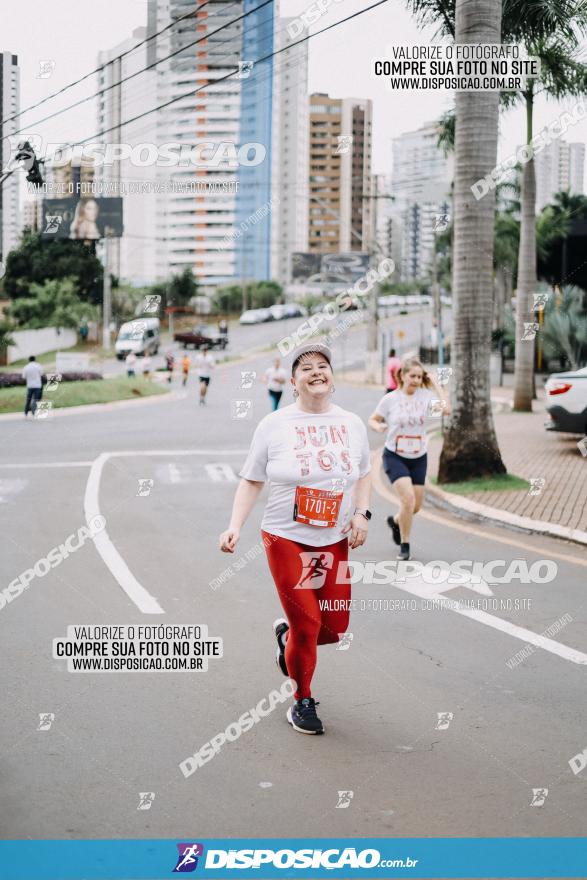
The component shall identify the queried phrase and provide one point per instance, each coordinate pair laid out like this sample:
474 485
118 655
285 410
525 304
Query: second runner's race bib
408 444
317 507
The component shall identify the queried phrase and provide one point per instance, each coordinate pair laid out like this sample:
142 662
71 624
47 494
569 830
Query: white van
140 336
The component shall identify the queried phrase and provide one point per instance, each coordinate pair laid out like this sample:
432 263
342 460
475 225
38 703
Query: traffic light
26 154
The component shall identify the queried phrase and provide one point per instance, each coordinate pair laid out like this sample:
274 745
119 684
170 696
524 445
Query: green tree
470 445
52 304
182 288
264 294
37 260
561 75
227 300
564 332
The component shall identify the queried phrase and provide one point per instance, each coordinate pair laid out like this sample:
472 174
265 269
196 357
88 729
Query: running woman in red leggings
316 457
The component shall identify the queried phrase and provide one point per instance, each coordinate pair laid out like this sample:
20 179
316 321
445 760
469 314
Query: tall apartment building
421 183
9 190
133 258
340 174
559 167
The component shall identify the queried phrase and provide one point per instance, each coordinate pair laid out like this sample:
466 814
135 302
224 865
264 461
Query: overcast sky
71 32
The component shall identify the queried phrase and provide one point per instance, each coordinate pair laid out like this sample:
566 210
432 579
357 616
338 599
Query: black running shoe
396 534
280 628
404 553
302 716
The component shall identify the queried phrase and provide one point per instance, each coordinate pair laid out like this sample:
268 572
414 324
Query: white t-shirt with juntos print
327 451
405 415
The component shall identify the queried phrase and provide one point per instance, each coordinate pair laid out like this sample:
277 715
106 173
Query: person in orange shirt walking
185 368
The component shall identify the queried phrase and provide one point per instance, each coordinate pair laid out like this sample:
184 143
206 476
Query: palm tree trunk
470 446
524 364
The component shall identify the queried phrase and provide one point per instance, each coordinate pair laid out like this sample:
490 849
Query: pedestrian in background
170 362
185 368
33 374
205 363
131 362
223 327
275 378
391 368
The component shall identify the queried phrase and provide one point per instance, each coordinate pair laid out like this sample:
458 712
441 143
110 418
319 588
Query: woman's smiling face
313 376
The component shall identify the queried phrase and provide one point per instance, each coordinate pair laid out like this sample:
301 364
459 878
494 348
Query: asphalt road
405 332
113 736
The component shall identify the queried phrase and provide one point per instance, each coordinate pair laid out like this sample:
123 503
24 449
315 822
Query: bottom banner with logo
316 857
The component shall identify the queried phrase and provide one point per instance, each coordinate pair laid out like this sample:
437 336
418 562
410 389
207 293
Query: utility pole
437 303
373 327
112 246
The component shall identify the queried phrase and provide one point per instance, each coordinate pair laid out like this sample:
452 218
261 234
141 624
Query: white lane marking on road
220 471
46 464
519 632
110 555
422 590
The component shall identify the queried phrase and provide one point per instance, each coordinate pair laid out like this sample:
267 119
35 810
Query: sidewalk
530 452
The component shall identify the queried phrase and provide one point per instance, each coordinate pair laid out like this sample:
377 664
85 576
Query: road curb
502 517
99 407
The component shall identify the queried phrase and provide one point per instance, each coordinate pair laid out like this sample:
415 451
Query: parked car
293 310
199 336
251 316
140 336
278 311
566 402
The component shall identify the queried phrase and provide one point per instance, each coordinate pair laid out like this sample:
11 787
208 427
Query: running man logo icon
241 409
146 799
187 860
536 485
344 641
53 222
345 142
582 446
441 222
245 69
540 300
53 380
539 795
46 68
138 329
314 568
436 407
338 484
530 331
344 799
151 303
247 378
444 719
443 375
46 719
145 487
44 408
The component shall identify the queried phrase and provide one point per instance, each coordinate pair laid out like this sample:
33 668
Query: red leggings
302 583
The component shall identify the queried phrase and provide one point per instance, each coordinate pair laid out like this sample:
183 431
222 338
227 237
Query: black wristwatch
363 511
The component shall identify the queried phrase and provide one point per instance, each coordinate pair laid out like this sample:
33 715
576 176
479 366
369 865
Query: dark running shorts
205 379
395 466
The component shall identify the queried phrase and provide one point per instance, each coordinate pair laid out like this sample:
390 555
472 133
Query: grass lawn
502 483
79 393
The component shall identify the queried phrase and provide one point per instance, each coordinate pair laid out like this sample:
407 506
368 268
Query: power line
101 67
143 69
232 73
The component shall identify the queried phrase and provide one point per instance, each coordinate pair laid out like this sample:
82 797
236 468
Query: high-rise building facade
340 174
559 167
9 190
132 258
421 184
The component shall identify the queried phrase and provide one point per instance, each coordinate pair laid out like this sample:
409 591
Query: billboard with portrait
83 219
341 268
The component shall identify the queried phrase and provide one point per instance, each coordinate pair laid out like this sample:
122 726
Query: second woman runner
402 413
316 457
